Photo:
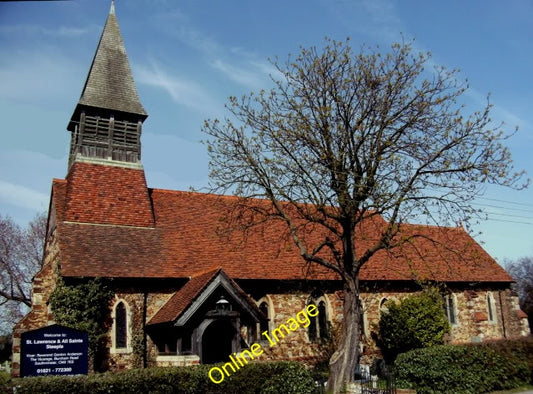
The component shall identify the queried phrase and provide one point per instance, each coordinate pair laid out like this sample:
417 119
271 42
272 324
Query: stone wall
297 345
473 321
515 320
140 309
294 346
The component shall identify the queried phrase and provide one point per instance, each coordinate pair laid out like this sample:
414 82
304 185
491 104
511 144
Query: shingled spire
106 124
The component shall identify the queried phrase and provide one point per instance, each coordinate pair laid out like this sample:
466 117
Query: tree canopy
344 137
21 251
522 272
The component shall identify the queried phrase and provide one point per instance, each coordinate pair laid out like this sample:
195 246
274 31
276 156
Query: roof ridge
108 225
433 226
170 191
234 197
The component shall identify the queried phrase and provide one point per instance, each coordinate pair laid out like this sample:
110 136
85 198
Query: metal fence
380 380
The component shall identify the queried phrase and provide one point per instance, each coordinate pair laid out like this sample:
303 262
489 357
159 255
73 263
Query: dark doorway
217 342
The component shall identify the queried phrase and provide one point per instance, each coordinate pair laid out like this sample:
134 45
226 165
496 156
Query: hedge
462 369
518 348
254 378
5 382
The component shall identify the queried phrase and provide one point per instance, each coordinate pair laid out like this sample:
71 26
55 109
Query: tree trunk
342 363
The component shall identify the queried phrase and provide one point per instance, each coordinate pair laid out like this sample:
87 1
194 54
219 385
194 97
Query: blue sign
54 350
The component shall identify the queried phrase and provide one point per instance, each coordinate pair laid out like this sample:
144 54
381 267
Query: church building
195 294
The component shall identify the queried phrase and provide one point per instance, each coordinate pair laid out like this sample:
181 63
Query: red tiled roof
89 250
183 298
107 194
438 253
187 238
59 194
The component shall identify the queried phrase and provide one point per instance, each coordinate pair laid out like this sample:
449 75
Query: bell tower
106 183
107 121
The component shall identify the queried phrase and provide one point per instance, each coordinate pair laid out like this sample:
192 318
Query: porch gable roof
186 301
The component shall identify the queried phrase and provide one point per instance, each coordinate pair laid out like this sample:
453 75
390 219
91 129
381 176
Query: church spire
106 123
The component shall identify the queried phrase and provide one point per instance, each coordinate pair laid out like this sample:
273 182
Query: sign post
54 350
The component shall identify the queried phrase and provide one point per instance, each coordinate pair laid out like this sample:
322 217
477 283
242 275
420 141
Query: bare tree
522 272
21 251
344 137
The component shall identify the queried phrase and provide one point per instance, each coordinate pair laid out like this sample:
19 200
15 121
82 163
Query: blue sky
188 56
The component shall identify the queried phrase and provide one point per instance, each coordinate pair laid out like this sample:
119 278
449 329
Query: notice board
54 350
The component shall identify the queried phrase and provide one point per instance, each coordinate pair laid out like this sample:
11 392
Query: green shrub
459 369
255 378
418 321
320 371
521 349
290 378
84 307
5 382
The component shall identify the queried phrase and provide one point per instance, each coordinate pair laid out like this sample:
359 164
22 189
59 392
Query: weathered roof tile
106 194
183 298
187 237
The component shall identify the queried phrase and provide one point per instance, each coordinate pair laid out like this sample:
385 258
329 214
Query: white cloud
268 69
243 76
510 119
236 64
174 163
199 41
26 177
181 90
73 32
178 25
383 19
22 196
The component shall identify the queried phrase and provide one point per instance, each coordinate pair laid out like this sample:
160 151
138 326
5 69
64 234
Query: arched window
322 320
450 308
311 330
319 325
263 307
121 329
383 306
121 326
491 307
266 307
